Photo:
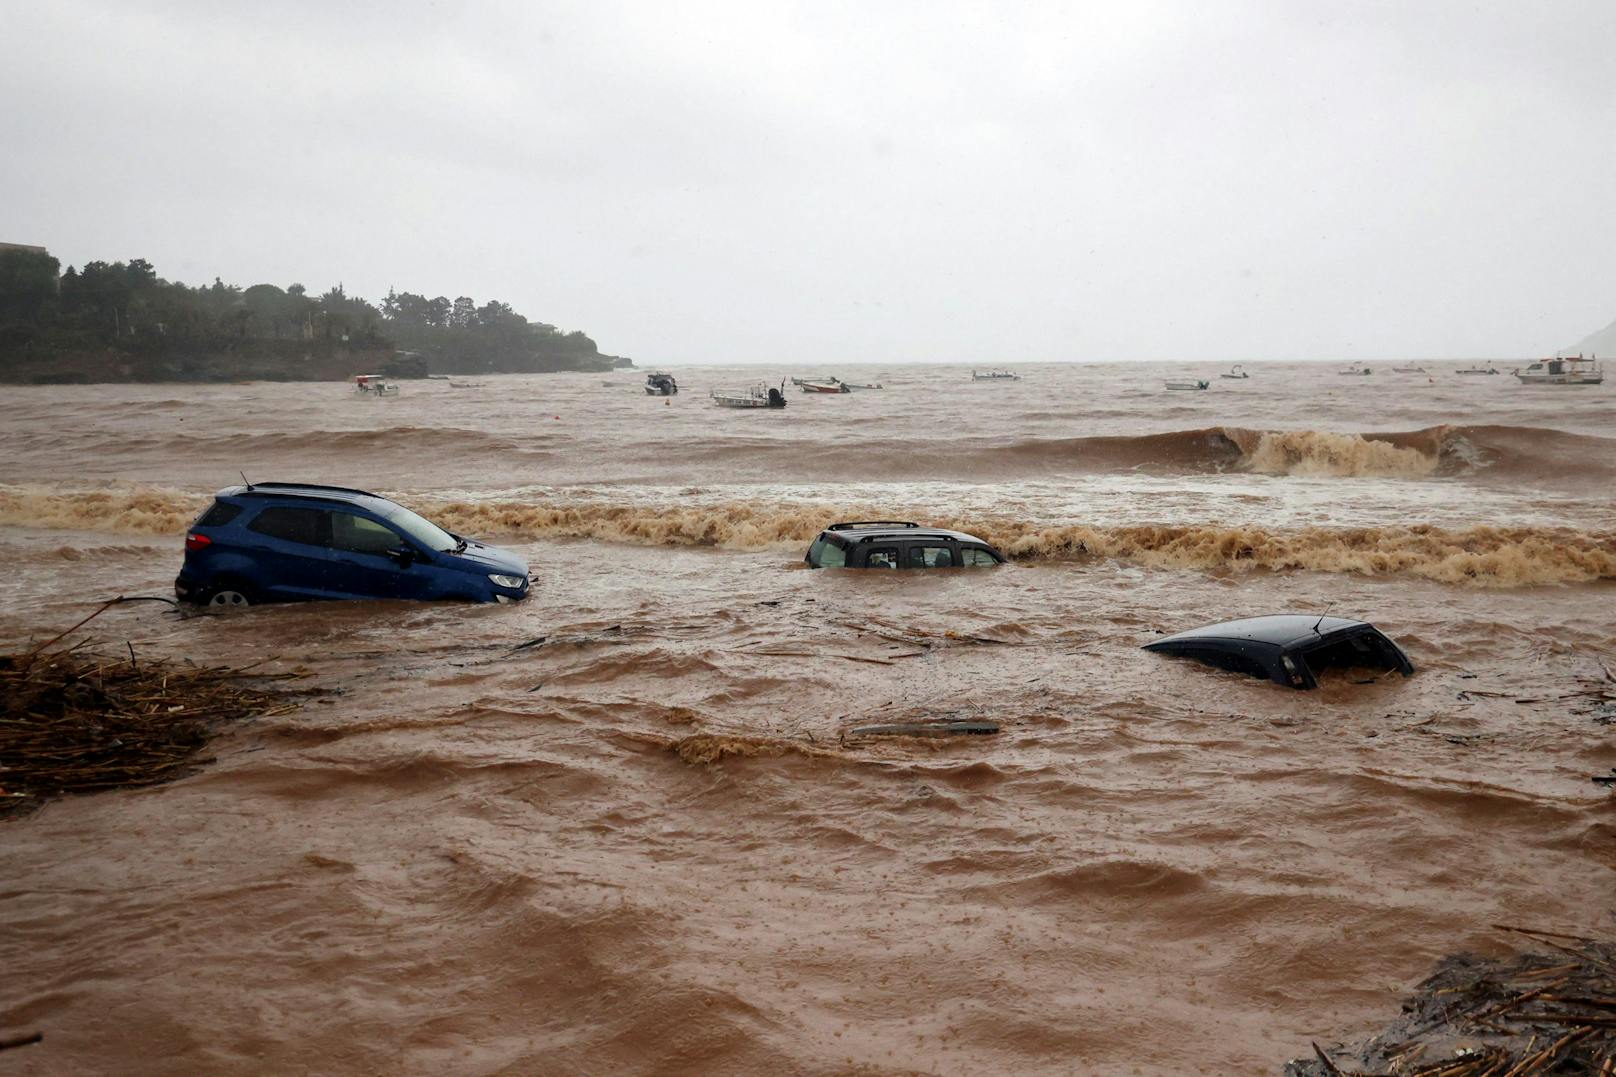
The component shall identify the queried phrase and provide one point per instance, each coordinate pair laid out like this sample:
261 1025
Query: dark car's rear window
827 553
218 514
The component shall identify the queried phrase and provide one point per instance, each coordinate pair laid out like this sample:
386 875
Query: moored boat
1235 373
831 386
1355 370
1412 368
1566 370
996 374
374 385
1190 384
660 385
1488 369
759 395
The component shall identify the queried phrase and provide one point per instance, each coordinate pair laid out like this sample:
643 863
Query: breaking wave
1506 454
1509 453
1475 556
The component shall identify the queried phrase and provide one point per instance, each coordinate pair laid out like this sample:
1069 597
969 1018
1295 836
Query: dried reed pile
76 722
1540 1014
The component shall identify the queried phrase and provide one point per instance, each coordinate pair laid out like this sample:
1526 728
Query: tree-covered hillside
120 321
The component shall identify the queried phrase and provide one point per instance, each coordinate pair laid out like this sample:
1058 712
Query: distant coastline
121 322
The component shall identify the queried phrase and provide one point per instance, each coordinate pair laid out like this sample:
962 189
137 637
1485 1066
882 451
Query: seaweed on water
1536 1015
72 721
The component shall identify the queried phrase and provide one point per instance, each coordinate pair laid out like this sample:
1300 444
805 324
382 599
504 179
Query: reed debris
1533 1016
72 721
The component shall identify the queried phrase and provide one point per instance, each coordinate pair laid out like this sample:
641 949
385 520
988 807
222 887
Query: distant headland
121 322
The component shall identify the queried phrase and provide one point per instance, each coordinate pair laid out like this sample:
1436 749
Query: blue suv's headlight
513 582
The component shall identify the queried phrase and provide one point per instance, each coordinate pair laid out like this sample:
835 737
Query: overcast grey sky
756 181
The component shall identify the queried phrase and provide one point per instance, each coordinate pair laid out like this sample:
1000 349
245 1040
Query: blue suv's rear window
218 515
292 525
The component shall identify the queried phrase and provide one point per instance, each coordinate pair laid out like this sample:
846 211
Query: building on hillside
23 247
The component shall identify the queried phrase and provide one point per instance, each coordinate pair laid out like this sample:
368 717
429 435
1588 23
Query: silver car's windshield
422 530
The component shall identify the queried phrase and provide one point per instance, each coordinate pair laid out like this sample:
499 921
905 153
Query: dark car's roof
858 533
362 498
1279 630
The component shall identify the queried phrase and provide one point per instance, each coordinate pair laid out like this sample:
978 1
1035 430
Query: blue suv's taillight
195 542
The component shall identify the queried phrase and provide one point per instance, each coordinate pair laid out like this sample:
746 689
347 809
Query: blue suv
286 542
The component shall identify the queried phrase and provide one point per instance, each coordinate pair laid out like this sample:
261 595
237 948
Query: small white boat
1412 368
1236 372
1488 369
868 385
1190 384
465 385
440 377
1356 370
831 386
374 385
759 395
1567 370
996 374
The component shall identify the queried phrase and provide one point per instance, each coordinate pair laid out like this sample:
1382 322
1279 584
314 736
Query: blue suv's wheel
228 594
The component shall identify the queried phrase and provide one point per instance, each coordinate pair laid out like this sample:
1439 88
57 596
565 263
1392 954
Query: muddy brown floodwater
647 845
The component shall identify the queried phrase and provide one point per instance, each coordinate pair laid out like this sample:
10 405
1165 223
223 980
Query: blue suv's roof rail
306 488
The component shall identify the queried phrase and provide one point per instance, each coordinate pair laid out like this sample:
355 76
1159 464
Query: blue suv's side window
291 525
359 534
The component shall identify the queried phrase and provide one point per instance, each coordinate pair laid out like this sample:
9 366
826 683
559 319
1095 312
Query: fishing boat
1236 372
831 386
759 395
1355 370
374 385
1190 384
1488 369
868 385
1562 370
1412 368
996 374
660 385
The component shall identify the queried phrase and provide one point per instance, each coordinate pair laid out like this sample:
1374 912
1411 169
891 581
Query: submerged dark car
1290 649
898 544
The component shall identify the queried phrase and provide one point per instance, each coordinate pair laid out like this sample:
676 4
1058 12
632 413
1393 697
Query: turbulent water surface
649 845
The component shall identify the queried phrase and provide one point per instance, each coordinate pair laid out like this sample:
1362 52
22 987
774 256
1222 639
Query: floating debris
925 729
1539 1014
77 722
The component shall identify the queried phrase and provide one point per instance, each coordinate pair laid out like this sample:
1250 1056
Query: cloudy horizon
967 183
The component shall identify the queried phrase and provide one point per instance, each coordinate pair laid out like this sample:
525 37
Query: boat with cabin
1235 373
660 385
374 385
1563 370
759 395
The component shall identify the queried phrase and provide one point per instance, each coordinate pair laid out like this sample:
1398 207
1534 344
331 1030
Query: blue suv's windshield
423 530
